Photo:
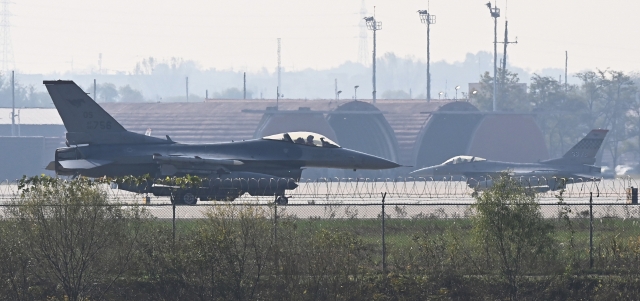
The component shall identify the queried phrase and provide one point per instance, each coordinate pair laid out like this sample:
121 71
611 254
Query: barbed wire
397 189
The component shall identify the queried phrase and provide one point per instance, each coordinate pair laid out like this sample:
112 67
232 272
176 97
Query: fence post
275 233
174 223
384 250
591 230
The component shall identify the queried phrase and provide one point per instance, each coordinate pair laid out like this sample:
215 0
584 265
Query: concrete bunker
361 126
446 133
510 137
459 128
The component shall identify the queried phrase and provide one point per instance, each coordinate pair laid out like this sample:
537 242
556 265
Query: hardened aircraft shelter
414 133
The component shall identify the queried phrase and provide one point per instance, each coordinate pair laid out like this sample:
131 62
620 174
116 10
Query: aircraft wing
82 163
549 173
535 172
170 165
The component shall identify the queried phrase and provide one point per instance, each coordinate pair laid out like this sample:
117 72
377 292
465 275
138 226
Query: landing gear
282 200
181 197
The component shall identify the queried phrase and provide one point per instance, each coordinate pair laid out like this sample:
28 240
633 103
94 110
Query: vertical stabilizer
86 121
78 111
585 151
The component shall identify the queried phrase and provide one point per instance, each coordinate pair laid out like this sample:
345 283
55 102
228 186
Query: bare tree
74 236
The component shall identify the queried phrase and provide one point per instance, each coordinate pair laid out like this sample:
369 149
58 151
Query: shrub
511 230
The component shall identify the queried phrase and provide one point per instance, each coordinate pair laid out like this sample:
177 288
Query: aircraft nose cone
373 162
424 172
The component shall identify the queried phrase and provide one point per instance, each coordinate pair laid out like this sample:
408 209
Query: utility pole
13 105
7 59
335 88
279 67
566 64
506 42
374 26
495 13
363 49
427 18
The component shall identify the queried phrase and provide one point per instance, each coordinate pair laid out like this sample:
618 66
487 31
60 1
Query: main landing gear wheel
181 197
282 200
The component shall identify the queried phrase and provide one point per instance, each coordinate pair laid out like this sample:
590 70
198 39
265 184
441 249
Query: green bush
511 231
68 239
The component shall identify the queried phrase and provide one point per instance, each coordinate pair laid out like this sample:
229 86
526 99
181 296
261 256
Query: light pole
338 95
427 18
495 13
440 94
373 25
457 87
355 92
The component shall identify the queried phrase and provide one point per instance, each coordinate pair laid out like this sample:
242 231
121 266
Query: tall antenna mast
279 68
428 19
374 26
363 46
495 14
503 73
100 63
566 67
7 48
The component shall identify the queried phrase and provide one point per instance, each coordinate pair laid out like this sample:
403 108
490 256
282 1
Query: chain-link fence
400 227
328 249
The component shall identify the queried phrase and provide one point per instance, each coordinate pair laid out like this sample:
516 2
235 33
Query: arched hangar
414 133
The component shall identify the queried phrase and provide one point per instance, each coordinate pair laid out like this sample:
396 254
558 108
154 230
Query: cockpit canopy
463 159
304 138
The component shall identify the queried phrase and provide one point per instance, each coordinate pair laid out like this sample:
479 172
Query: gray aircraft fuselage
487 168
575 165
270 157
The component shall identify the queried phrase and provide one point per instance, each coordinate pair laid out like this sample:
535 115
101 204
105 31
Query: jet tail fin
585 151
86 121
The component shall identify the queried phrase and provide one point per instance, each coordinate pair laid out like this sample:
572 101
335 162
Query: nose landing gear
282 200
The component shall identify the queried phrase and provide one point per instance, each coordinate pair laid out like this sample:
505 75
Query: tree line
606 99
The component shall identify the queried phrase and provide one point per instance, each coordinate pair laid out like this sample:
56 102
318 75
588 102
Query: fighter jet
97 146
576 165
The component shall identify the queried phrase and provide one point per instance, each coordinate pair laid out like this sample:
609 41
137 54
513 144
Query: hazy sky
241 34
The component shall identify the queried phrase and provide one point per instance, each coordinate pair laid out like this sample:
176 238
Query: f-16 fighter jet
576 165
97 146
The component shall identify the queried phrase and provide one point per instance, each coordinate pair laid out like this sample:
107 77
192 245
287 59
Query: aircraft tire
180 197
282 200
188 198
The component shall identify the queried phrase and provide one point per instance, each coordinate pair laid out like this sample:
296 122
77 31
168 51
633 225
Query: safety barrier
397 189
